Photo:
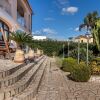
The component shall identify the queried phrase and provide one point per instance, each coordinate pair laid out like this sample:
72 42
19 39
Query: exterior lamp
78 51
87 54
69 40
63 51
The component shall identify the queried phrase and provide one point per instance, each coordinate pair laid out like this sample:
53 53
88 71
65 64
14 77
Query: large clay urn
38 52
41 52
31 54
19 56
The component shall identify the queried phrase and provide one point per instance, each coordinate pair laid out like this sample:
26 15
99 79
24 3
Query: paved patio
56 86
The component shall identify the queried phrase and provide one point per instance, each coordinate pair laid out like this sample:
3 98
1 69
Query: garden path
56 86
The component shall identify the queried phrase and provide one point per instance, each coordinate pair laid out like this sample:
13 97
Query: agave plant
20 38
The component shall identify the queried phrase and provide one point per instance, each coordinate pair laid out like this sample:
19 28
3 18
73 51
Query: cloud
77 29
49 31
38 32
60 3
49 19
70 10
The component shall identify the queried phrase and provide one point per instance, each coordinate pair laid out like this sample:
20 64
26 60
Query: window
6 29
81 41
20 15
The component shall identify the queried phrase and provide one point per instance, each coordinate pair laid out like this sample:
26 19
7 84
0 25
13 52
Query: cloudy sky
59 19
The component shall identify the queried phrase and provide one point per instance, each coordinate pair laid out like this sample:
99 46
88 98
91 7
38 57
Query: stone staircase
21 82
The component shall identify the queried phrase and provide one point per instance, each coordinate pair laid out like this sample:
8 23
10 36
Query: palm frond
20 37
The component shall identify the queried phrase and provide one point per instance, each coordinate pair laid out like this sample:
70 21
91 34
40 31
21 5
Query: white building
83 39
39 37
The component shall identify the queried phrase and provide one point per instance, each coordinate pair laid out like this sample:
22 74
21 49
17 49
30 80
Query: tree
96 33
92 23
89 21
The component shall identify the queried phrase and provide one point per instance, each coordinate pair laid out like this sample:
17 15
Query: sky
60 19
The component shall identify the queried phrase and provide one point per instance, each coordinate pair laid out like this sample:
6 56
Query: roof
82 36
27 2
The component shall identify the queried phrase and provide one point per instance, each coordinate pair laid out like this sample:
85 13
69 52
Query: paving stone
67 89
97 98
50 83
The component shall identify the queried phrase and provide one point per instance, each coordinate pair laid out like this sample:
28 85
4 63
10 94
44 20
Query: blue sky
59 19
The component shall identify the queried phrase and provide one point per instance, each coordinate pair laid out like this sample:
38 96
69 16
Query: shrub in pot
38 52
21 38
31 54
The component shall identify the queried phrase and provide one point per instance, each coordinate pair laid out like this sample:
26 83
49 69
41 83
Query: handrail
6 43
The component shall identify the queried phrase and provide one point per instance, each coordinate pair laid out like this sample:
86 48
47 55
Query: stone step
22 84
13 78
43 87
32 89
8 70
10 67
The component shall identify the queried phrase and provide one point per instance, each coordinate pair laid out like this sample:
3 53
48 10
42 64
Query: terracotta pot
38 52
19 56
31 54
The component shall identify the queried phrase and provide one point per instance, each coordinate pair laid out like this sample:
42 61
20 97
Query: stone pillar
26 19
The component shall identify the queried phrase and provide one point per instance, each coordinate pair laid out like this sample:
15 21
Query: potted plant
21 38
38 53
31 51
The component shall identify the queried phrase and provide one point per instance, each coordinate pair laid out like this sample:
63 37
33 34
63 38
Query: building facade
40 38
83 39
15 15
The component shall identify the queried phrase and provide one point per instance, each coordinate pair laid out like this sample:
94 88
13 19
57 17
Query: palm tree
90 22
21 38
96 33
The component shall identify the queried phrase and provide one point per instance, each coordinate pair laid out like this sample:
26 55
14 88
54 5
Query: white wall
39 37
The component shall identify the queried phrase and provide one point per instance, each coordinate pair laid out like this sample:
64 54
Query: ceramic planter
19 56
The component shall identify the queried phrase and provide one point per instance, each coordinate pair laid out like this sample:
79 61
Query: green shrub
74 53
81 73
97 60
68 64
59 62
95 66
